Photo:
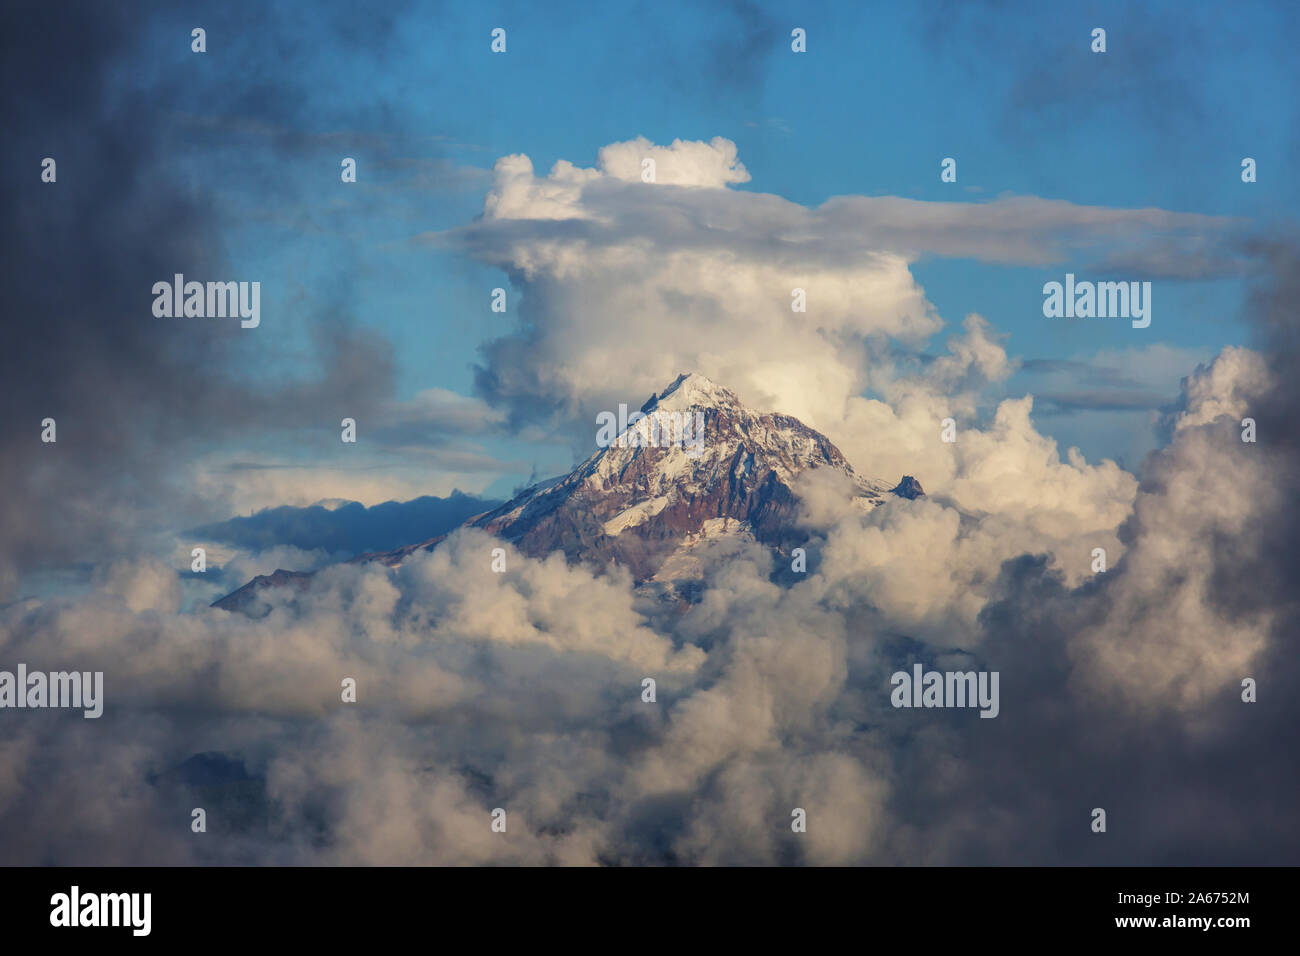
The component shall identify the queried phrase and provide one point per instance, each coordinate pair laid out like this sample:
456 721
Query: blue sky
885 91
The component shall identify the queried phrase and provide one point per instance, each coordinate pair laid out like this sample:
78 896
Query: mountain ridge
695 464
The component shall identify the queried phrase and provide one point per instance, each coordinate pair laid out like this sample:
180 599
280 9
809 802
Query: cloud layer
522 691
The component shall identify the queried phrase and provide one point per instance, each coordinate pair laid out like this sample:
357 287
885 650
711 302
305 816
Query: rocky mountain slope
698 466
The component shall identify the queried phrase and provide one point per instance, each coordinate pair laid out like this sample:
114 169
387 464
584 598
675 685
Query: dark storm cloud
132 395
1209 783
1273 309
1174 793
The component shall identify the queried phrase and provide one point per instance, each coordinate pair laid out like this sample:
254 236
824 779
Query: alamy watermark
74 908
76 689
662 429
1101 300
946 689
212 300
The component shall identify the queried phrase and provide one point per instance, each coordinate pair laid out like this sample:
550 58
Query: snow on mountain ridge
692 390
635 499
640 500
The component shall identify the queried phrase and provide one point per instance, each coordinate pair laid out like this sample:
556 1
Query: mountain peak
693 390
652 493
908 488
702 467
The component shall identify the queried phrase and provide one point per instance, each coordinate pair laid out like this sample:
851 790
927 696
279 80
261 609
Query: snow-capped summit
698 464
693 465
691 390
